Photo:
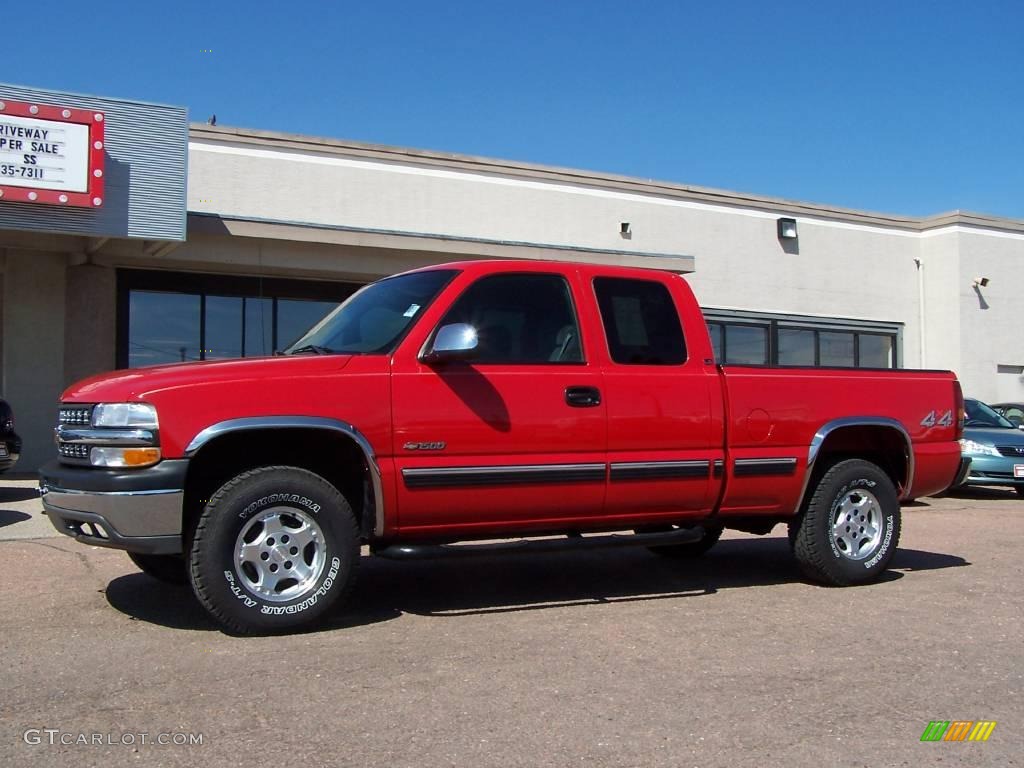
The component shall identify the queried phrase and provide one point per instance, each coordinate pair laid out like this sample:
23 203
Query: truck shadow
491 584
12 493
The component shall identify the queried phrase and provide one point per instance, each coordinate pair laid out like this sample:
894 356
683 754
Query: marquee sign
50 155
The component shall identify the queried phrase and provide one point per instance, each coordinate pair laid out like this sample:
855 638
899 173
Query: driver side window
520 319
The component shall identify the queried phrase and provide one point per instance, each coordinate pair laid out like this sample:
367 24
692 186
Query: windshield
374 319
980 415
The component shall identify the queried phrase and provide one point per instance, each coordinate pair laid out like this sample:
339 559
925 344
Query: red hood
141 383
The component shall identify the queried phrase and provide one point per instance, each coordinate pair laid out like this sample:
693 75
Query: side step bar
570 542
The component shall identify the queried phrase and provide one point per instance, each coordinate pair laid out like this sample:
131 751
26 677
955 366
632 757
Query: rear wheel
169 568
1020 490
274 549
851 527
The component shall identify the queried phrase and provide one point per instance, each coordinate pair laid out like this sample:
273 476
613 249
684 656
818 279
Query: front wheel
274 549
851 527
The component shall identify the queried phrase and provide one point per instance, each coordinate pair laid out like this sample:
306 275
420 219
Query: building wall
991 317
33 326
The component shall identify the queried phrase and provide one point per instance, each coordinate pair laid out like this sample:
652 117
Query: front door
513 438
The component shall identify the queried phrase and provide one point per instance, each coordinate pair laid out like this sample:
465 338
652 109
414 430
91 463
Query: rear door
665 420
513 439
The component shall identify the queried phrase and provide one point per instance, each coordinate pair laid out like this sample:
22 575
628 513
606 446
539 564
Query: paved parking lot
616 658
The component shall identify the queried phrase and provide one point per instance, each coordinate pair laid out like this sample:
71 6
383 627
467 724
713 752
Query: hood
139 383
994 435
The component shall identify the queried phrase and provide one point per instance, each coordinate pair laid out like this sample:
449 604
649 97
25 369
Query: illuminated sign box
51 155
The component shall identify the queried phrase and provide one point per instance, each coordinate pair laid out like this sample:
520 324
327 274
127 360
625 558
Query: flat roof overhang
444 245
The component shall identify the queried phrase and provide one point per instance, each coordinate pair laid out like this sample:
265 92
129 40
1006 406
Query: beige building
277 228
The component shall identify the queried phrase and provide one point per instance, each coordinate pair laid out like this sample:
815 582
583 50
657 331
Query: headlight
124 415
123 457
978 449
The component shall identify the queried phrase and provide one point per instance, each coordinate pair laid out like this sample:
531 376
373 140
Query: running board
570 542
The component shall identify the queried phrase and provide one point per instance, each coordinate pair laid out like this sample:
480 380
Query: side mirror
457 341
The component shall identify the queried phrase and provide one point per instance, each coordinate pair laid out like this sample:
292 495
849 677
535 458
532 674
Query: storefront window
875 351
796 346
166 328
169 318
836 349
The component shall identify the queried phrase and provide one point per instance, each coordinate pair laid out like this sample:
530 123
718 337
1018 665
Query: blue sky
903 107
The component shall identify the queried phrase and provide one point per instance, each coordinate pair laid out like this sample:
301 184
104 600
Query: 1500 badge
945 420
438 446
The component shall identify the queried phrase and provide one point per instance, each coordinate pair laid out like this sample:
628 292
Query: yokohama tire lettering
885 544
278 498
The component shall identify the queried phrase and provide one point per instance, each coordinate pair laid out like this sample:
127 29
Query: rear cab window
641 323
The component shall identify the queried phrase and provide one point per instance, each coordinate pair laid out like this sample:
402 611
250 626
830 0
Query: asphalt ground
604 658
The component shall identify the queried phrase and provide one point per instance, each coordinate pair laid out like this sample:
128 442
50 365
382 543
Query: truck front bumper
138 510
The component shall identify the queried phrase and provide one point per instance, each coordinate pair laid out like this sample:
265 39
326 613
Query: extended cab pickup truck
550 403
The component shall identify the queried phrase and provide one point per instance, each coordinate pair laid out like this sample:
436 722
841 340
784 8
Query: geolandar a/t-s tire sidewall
814 544
215 574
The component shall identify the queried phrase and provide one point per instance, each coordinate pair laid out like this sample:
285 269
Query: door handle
582 397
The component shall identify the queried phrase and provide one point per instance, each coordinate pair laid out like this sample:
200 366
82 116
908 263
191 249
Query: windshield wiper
314 348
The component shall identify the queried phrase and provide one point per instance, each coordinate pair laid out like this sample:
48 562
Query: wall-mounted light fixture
980 282
787 229
624 228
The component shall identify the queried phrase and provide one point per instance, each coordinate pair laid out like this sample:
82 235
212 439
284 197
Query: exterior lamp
787 229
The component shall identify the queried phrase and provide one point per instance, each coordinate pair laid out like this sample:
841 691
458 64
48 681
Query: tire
1020 490
712 534
274 549
171 569
834 553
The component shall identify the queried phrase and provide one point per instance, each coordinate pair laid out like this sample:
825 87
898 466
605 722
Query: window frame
566 282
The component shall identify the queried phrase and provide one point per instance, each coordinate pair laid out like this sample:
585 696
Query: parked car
10 443
1012 411
994 446
489 400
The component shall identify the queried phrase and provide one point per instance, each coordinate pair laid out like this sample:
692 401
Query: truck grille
75 415
1011 450
69 451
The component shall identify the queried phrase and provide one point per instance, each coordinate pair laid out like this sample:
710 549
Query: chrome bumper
147 521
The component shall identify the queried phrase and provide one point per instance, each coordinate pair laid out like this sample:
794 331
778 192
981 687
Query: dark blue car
995 447
10 443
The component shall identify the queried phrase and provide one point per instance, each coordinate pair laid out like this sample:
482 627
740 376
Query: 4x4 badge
946 420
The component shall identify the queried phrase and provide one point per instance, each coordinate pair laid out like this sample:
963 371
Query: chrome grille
1011 450
75 415
69 451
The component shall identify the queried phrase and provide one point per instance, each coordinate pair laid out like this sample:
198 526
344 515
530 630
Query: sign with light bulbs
51 155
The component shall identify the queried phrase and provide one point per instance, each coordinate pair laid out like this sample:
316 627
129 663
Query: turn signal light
124 457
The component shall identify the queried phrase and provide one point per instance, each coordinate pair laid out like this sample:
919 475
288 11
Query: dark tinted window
520 319
640 322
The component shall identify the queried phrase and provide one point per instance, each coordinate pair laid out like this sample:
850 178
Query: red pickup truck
551 403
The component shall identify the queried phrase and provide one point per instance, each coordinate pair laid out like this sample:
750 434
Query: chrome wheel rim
280 554
857 524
